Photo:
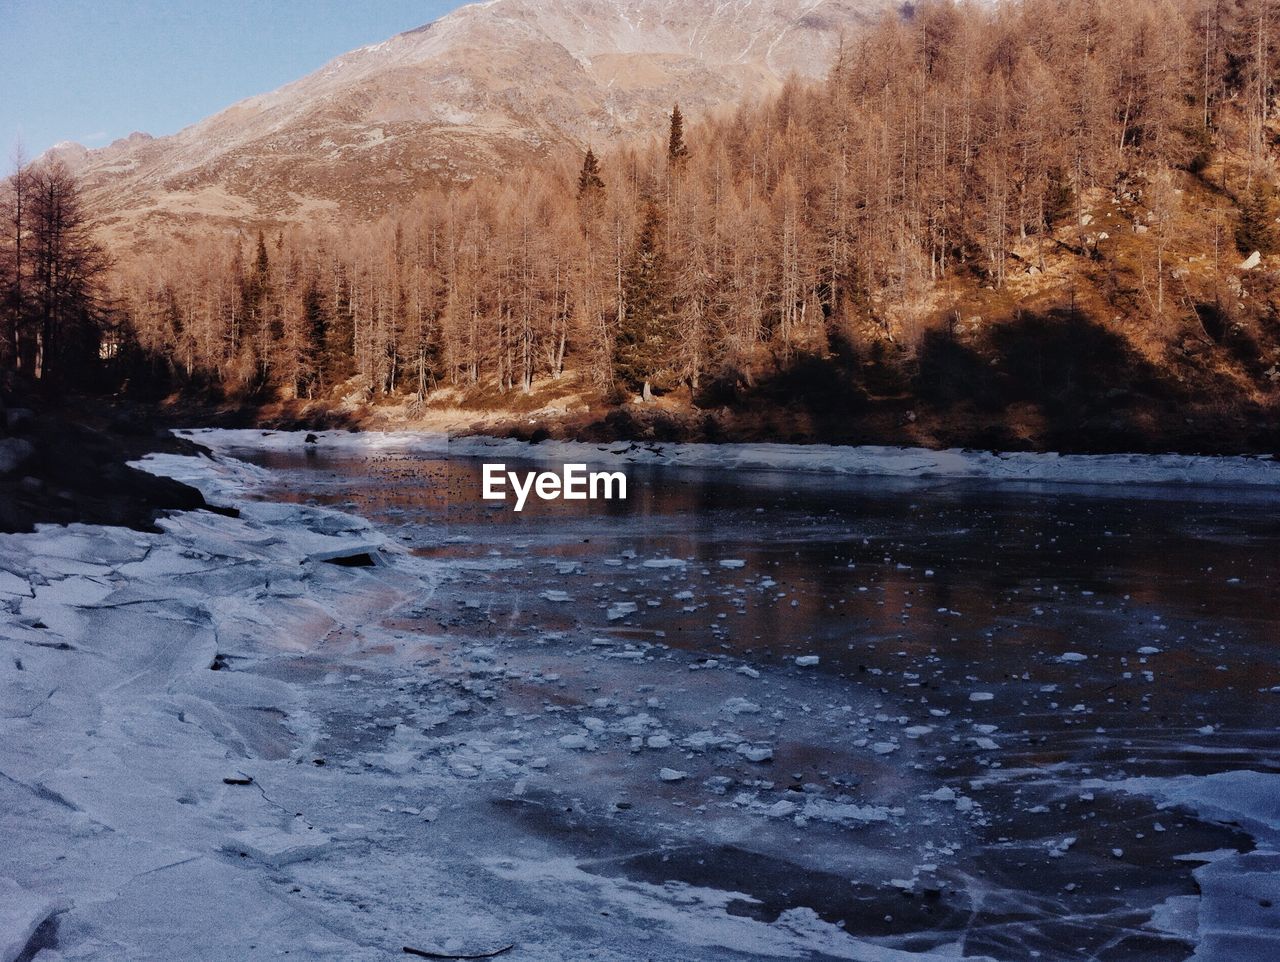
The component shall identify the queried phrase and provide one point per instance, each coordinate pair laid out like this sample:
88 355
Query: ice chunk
980 696
672 775
398 763
843 813
21 913
276 847
1071 656
807 661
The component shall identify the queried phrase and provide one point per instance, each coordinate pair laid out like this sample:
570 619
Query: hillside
487 87
1044 225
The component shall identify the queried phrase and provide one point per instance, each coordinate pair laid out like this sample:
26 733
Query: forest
1042 201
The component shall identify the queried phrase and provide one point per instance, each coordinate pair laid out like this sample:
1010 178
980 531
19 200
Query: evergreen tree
1058 197
260 263
647 338
254 293
316 327
1255 232
677 149
589 182
340 333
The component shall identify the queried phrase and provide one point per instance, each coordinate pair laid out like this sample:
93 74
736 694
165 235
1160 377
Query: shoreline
1260 473
74 466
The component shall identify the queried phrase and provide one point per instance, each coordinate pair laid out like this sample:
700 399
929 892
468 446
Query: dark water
922 597
990 580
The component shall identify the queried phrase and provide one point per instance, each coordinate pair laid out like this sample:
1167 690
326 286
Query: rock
311 439
672 775
131 425
1252 261
14 453
18 420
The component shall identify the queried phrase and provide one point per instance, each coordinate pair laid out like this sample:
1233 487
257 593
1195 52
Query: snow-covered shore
214 744
906 464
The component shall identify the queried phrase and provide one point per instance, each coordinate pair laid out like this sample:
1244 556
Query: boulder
14 453
18 420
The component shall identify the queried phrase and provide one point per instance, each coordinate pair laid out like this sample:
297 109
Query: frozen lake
1042 721
1118 637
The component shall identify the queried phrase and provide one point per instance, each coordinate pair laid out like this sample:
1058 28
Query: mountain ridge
488 86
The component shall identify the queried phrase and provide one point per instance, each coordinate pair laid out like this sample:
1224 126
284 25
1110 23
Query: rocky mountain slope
489 85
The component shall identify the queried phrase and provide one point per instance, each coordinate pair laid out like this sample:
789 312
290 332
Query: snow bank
915 464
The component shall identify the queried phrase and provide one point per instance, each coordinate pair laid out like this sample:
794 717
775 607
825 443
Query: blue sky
95 70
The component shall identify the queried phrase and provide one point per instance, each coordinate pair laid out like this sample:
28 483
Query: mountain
490 85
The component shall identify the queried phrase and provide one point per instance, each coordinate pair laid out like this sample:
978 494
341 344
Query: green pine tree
589 181
646 337
253 294
1256 231
1058 197
317 332
677 149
